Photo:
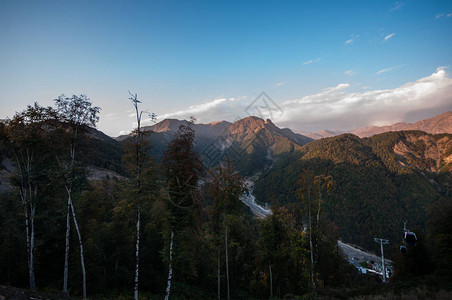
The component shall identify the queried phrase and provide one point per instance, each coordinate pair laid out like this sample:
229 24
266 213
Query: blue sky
182 56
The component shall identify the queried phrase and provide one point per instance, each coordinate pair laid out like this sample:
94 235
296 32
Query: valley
250 201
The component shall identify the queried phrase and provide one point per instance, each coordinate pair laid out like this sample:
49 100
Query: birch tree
27 132
312 188
304 193
76 114
141 148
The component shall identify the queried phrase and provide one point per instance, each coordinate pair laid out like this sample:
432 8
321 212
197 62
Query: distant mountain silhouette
439 124
322 134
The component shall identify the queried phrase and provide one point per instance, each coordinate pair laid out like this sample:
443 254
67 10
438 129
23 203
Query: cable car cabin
410 238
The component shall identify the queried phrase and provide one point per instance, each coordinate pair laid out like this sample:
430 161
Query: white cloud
340 86
389 36
440 15
311 61
111 115
389 69
196 110
350 72
124 132
280 84
216 110
337 107
352 39
397 5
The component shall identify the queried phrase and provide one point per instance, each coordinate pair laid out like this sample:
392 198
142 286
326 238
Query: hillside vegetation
379 181
160 220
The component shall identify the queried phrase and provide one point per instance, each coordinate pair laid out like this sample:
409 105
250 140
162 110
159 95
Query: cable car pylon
383 269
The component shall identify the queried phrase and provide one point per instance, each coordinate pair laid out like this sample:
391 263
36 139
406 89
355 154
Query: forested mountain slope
97 150
161 134
101 151
379 181
252 143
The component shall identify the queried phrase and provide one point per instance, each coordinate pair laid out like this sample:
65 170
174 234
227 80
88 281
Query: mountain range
380 180
438 124
256 143
166 129
253 142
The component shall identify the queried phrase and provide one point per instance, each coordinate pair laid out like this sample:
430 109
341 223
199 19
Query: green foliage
12 242
282 245
181 167
109 227
29 133
440 235
104 152
373 191
77 111
225 187
417 262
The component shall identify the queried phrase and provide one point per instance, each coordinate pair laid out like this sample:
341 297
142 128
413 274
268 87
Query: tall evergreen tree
182 166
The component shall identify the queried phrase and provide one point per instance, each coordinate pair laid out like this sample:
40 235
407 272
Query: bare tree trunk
227 262
70 208
271 280
138 185
318 209
137 253
318 223
32 243
66 251
170 268
82 258
218 276
310 238
29 213
312 259
27 232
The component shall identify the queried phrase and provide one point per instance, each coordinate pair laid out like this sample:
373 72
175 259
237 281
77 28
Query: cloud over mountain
336 107
230 109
